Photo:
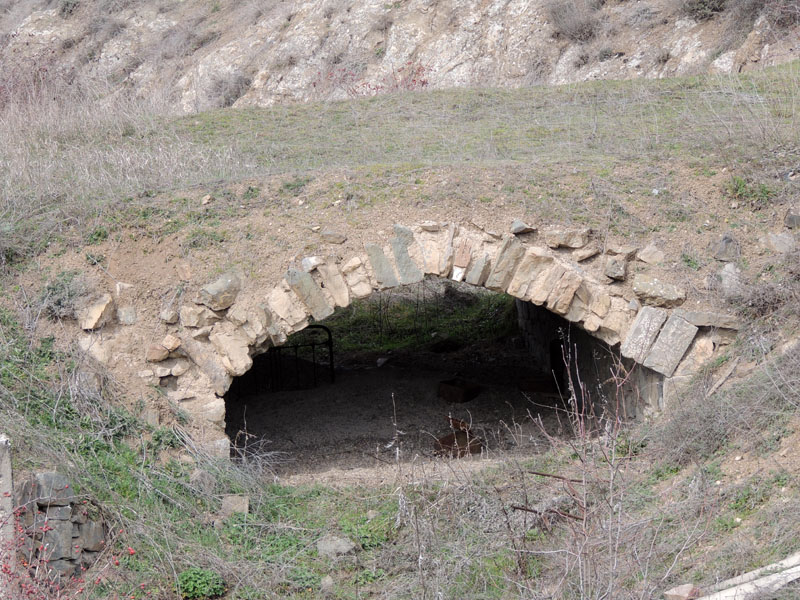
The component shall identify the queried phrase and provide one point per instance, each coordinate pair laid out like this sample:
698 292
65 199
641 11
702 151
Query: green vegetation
421 315
198 584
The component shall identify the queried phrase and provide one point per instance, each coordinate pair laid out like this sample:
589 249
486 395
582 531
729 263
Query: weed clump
575 20
59 297
198 584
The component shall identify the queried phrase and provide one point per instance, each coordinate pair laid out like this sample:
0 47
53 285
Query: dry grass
60 171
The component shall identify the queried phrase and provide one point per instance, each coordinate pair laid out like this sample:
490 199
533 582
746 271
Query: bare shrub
782 13
575 20
702 10
228 88
59 296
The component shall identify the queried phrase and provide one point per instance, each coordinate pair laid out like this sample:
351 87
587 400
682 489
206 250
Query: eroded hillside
198 54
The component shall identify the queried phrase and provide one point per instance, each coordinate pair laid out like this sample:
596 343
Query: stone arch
225 327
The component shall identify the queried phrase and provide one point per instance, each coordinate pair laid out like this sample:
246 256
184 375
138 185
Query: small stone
97 313
163 371
586 253
627 252
197 316
234 503
146 374
519 227
156 353
206 199
184 271
782 243
616 268
126 315
220 294
431 226
730 280
651 254
726 249
315 228
331 546
180 368
310 263
792 219
203 481
687 591
333 237
171 342
169 316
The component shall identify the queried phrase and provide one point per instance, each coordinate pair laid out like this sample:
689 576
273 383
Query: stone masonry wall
579 278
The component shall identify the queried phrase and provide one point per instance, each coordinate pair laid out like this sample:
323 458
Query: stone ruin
207 342
56 536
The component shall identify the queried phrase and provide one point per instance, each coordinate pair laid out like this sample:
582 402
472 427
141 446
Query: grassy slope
59 171
647 518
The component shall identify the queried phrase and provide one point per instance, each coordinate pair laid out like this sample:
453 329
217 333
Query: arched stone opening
406 360
651 350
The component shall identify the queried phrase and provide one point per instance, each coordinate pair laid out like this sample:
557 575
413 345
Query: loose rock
331 546
616 268
156 353
792 219
333 237
97 313
567 238
783 243
651 254
651 290
519 227
220 294
727 248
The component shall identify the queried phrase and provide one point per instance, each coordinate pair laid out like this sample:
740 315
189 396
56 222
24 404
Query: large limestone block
707 318
385 275
448 251
462 258
655 292
643 333
533 262
233 346
357 277
479 271
505 264
407 269
334 282
563 292
209 362
309 293
220 294
672 343
287 306
96 313
540 288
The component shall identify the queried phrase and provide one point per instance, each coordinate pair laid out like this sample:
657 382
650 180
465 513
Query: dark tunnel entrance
411 366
